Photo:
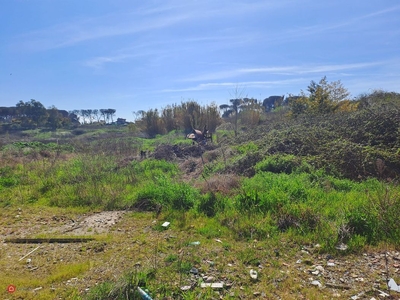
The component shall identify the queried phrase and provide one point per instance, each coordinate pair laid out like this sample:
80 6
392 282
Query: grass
261 221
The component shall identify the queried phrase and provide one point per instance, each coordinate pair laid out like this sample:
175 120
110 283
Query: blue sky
137 55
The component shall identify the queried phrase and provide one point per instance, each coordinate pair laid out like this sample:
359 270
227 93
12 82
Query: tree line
33 114
320 98
185 116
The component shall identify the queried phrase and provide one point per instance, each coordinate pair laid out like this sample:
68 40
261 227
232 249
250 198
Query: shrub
209 204
281 163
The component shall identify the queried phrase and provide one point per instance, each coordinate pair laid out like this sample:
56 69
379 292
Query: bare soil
124 240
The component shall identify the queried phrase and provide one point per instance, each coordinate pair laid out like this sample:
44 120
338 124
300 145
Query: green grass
288 202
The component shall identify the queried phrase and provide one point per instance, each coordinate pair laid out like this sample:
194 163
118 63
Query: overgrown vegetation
327 176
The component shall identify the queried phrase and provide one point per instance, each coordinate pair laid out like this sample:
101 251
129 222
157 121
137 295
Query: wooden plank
47 240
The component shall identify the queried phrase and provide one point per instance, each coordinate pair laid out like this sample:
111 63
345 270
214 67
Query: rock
194 271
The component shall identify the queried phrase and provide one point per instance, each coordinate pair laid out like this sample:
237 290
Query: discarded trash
165 224
195 243
358 296
209 279
143 294
186 288
316 283
210 262
393 285
342 247
316 272
253 274
218 240
194 271
383 294
320 268
29 253
330 264
213 285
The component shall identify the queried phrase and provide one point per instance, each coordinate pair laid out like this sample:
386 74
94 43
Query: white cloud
74 32
285 70
224 85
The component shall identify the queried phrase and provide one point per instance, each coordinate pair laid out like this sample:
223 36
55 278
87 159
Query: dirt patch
100 222
86 224
170 153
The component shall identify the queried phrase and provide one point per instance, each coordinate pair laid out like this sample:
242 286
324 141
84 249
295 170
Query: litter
253 274
316 283
341 247
214 285
393 285
165 224
143 294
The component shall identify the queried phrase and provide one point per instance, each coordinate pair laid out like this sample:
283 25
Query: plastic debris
393 285
253 274
195 243
143 294
165 224
358 296
194 271
383 294
316 283
316 272
213 285
320 268
341 247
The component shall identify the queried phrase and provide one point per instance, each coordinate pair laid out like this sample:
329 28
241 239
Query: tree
153 124
235 106
7 113
169 118
103 113
322 98
55 119
251 111
32 113
227 111
111 113
96 114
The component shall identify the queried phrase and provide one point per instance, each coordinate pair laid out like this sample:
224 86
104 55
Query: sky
138 55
